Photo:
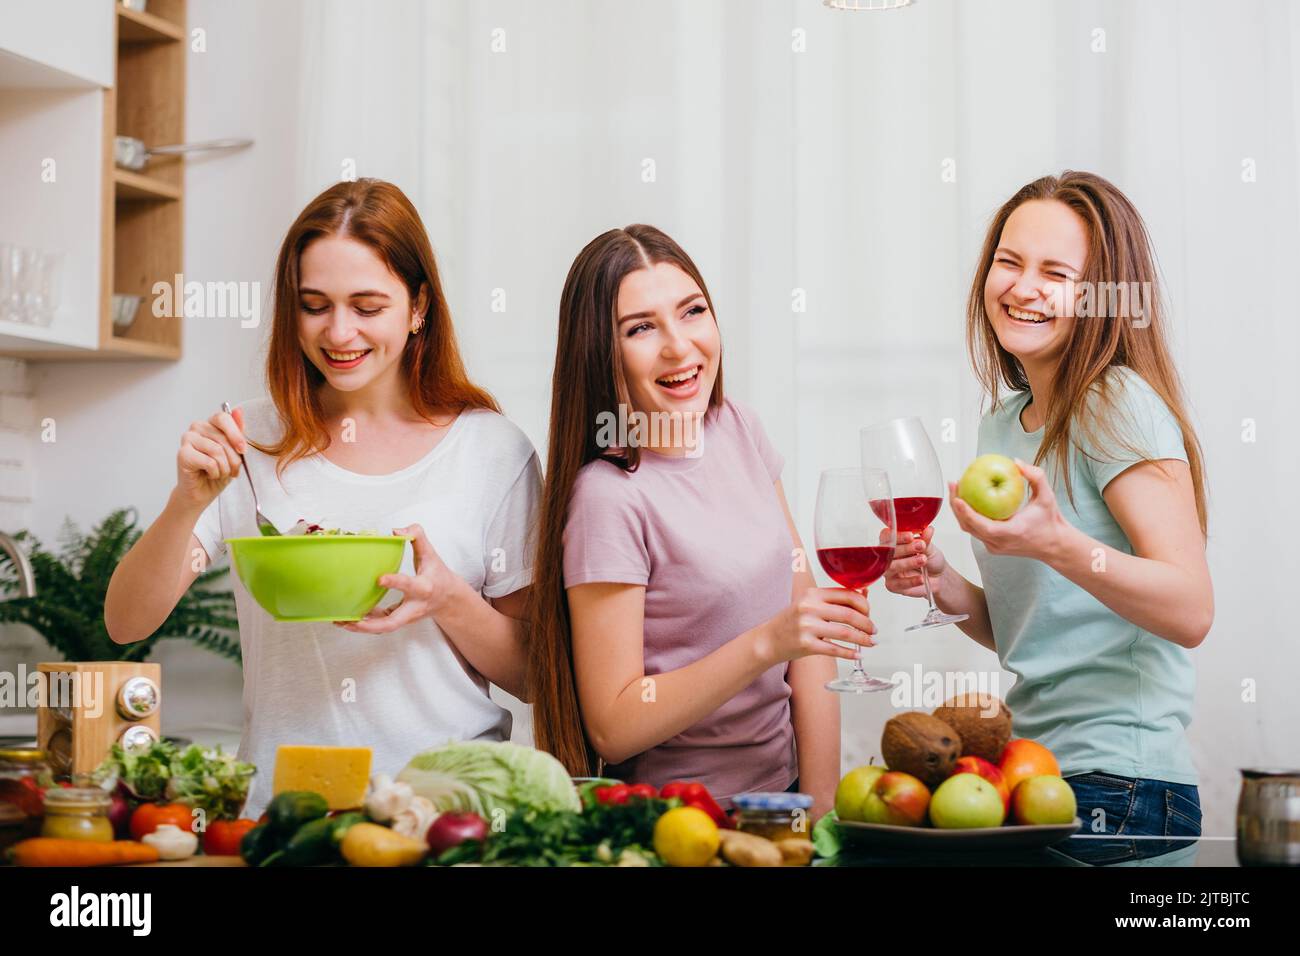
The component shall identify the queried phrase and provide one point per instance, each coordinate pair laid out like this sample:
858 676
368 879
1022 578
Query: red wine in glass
855 568
903 449
855 543
914 514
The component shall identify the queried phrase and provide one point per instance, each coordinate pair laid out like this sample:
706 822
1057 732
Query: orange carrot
48 851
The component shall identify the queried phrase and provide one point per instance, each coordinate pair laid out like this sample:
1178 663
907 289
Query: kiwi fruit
981 720
921 745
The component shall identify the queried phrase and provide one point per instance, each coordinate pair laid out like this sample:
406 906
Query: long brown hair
1079 413
378 214
588 381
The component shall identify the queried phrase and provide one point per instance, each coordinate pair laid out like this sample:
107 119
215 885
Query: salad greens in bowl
316 574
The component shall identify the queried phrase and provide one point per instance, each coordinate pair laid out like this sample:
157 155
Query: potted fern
68 609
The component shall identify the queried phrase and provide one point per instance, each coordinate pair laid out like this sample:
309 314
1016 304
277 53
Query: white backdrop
820 169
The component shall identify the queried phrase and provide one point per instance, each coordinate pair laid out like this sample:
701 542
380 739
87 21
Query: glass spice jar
78 813
774 816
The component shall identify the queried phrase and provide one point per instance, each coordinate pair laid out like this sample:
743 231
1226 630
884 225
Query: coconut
921 745
981 720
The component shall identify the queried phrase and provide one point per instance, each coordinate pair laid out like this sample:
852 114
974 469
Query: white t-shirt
476 495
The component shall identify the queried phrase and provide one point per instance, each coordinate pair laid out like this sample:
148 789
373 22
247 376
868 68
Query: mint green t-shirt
1097 690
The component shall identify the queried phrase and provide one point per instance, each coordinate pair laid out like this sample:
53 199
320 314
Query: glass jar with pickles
774 816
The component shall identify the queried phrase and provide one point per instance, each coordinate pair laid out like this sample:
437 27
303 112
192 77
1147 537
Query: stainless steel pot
1268 818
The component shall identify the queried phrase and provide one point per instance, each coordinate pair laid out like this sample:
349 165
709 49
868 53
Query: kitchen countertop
1078 850
1109 851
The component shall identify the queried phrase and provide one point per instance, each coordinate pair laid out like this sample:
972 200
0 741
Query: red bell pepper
612 796
620 793
694 794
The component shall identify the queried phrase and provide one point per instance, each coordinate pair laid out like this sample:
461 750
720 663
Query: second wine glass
902 448
855 543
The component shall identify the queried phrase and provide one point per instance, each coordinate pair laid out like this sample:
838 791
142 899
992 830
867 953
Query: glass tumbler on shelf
11 277
48 270
33 293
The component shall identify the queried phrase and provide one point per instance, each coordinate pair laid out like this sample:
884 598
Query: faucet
26 579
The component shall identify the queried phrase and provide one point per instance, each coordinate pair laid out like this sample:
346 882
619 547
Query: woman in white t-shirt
371 423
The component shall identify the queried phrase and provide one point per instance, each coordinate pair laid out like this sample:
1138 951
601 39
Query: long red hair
378 214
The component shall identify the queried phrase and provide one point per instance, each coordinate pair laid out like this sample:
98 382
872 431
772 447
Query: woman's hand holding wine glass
915 551
807 625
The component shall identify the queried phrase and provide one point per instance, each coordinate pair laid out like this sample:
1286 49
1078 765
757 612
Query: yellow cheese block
339 774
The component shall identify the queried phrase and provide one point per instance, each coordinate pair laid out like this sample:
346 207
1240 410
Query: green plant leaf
68 609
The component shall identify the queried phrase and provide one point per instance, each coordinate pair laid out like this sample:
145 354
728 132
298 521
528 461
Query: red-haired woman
371 423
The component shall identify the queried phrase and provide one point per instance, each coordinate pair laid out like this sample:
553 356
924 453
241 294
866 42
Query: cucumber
290 810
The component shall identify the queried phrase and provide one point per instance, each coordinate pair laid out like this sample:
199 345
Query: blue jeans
1131 807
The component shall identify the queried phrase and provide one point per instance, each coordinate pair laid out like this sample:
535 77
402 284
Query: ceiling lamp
866 4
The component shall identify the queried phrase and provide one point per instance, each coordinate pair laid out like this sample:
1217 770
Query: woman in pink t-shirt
674 620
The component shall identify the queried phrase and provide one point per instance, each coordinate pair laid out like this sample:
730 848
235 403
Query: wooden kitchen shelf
137 187
135 27
140 214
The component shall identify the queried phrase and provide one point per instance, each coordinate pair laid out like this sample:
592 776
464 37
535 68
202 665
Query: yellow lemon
686 836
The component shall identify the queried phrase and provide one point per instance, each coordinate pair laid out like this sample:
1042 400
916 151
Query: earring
419 324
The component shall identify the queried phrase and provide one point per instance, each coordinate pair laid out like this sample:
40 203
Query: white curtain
847 164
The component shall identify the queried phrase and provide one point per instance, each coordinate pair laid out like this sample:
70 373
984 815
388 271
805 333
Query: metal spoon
264 525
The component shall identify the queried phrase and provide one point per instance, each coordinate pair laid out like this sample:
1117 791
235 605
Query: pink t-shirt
708 539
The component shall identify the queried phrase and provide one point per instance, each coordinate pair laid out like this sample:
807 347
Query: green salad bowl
316 577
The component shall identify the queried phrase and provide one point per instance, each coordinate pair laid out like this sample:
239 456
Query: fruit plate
883 836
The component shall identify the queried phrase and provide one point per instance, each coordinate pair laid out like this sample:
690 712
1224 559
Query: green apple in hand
993 486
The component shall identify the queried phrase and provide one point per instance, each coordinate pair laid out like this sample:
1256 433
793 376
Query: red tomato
613 796
222 836
150 816
643 790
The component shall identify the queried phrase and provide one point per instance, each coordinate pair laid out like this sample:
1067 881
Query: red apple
1023 759
982 768
898 799
1041 800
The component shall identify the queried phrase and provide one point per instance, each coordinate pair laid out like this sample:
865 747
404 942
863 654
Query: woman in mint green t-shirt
1096 591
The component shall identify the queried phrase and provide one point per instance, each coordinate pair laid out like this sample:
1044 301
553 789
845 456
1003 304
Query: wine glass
855 543
903 449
